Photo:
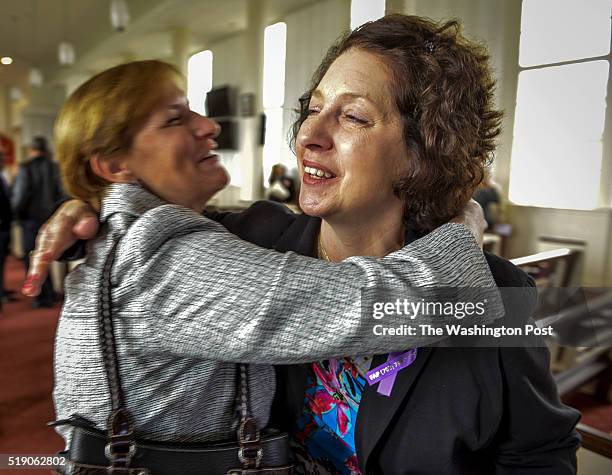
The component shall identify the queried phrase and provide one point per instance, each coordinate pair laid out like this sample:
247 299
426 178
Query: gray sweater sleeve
206 293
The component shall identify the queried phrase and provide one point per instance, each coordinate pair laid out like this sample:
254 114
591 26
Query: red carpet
26 374
596 414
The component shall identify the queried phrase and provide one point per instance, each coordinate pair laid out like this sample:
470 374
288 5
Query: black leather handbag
118 451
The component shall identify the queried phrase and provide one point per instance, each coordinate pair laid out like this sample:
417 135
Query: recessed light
6 60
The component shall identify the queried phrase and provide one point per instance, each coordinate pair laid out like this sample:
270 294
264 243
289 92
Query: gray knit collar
130 198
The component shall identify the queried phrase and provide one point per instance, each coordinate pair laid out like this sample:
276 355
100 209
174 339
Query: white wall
310 33
229 69
592 227
228 61
38 117
608 257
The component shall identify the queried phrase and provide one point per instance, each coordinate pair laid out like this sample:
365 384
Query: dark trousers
30 230
5 240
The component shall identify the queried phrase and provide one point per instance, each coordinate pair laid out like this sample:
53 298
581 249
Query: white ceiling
30 30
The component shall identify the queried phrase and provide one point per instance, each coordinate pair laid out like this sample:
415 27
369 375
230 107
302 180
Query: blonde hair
102 116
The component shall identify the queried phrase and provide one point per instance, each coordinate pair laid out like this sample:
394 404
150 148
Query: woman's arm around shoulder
212 295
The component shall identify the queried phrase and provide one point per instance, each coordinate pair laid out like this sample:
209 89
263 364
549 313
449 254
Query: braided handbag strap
122 442
121 445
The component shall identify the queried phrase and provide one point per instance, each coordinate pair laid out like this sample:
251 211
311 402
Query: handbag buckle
249 453
248 459
121 446
120 451
110 449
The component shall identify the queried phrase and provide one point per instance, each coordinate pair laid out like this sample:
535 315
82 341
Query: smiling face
350 148
171 154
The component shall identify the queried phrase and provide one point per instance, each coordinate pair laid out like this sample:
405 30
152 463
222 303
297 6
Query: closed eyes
351 116
174 120
357 119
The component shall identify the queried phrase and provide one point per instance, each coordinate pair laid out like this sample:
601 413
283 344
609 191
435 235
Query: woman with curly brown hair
441 86
392 138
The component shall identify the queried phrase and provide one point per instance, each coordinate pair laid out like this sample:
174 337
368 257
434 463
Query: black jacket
6 214
36 190
453 411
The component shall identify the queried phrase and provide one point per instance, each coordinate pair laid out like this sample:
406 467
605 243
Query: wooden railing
585 364
550 268
596 440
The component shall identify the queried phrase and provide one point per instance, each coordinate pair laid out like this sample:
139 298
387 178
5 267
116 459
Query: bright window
199 79
563 30
275 45
363 11
557 149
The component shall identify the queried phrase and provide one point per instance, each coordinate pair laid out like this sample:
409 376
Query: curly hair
444 92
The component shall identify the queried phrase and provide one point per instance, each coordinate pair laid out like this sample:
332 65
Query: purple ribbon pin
386 373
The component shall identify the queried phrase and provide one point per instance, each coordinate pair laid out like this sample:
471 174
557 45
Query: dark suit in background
36 190
6 217
453 411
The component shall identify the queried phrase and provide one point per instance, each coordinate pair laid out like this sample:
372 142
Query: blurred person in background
488 196
36 190
282 186
6 217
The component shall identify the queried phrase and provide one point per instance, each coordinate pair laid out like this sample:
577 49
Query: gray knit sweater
190 300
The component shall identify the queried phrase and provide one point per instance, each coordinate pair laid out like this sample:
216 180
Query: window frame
605 178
